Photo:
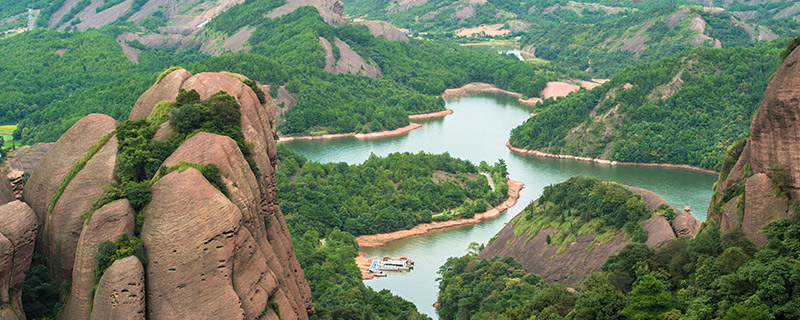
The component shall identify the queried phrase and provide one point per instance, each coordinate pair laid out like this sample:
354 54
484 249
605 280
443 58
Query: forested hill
54 78
599 36
681 110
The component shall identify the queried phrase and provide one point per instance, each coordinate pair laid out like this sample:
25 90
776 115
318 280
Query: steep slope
759 179
576 225
674 111
18 229
213 239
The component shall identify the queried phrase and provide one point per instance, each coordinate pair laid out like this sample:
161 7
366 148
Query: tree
648 300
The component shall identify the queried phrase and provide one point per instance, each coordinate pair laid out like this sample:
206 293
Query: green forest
713 276
681 110
384 194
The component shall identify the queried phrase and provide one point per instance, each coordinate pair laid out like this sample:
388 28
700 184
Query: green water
478 130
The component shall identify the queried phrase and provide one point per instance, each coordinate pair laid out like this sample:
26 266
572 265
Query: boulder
188 234
658 231
62 228
165 90
60 159
120 292
18 228
685 225
762 204
105 224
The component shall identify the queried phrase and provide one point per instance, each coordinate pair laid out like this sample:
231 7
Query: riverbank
373 135
437 114
606 162
554 89
377 240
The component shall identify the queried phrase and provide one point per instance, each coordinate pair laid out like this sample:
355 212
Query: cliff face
582 256
206 253
764 178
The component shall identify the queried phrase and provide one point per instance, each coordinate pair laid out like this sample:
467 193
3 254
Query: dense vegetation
46 92
385 194
713 276
680 110
583 205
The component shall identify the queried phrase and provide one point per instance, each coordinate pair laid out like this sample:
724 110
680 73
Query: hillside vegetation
681 110
713 276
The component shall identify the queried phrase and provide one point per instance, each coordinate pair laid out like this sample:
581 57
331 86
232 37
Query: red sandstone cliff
207 254
765 178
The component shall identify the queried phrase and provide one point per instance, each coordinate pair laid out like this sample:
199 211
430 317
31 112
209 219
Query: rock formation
765 177
207 253
120 292
581 257
17 235
61 228
105 224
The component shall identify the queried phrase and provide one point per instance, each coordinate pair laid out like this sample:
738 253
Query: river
478 130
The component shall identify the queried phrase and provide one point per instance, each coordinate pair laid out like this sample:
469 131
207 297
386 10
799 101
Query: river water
478 130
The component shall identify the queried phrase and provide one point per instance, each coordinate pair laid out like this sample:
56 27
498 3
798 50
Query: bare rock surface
62 227
330 10
120 292
25 158
165 90
18 227
61 157
581 257
105 224
188 235
384 29
769 160
6 194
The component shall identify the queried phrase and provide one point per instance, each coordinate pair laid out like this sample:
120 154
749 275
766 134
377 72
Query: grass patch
7 132
537 61
166 73
77 168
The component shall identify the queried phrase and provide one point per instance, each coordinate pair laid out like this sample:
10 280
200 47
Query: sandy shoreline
554 89
377 240
607 162
373 135
429 115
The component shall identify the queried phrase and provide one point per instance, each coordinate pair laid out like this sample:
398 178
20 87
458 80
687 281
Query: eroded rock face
61 157
768 161
6 194
581 257
18 226
61 228
105 224
188 236
120 292
208 255
165 90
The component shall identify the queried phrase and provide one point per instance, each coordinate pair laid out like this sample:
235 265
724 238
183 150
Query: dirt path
377 240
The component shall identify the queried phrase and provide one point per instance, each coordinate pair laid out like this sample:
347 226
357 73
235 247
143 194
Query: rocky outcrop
61 227
188 234
120 292
384 29
18 228
765 176
684 223
330 10
164 90
6 193
105 224
573 262
207 253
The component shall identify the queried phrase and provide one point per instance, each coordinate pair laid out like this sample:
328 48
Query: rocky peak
765 175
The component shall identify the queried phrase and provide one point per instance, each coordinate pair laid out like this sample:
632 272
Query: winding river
478 130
